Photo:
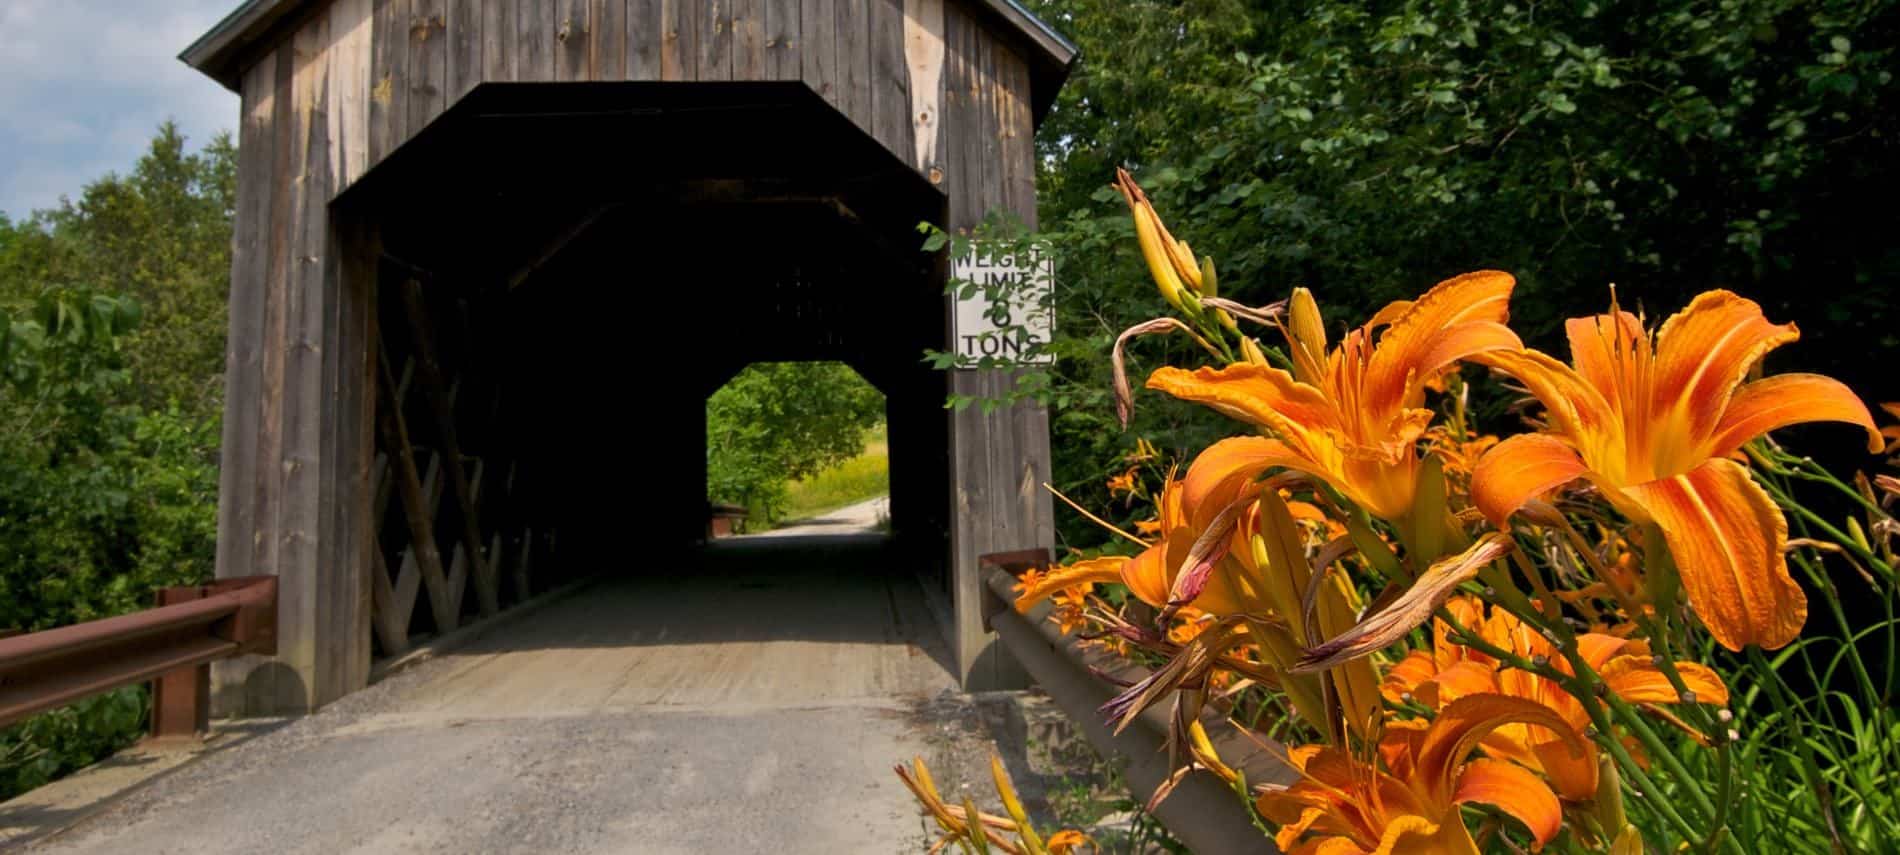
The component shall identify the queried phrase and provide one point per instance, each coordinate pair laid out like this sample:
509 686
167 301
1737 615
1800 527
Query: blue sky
84 83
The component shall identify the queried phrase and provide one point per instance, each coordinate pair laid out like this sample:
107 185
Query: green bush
782 421
111 353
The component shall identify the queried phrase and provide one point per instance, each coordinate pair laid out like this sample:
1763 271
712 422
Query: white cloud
84 83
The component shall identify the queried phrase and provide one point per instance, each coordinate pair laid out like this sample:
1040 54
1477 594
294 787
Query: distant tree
160 234
777 422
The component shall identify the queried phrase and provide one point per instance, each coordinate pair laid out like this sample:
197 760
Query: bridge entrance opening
560 324
491 258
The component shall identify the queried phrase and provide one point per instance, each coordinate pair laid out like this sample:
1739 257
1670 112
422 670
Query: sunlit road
753 703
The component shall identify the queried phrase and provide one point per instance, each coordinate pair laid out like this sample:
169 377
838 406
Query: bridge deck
756 703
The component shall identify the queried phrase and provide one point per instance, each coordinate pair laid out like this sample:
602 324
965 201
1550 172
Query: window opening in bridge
797 446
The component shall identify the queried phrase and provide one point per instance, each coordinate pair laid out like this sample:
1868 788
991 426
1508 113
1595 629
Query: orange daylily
1344 805
1352 417
1653 424
1891 432
1450 671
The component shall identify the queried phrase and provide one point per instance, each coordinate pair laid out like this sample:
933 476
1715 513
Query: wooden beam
415 502
421 328
559 242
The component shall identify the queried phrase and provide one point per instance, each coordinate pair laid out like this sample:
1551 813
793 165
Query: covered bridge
492 256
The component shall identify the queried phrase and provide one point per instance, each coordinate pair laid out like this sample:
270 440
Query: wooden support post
416 508
430 373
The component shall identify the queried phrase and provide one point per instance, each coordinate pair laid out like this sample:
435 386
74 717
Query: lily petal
1576 407
1727 536
1704 351
1147 575
1518 470
1259 395
1423 340
1091 571
1787 399
1222 472
1516 791
1607 349
1464 723
1637 679
1410 610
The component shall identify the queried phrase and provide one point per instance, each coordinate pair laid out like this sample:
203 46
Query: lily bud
1306 337
1170 262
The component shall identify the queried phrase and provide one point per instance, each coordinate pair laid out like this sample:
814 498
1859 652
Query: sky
85 83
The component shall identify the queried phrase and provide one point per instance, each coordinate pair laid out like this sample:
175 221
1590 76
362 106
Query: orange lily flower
1344 805
1891 432
1352 417
1229 545
1653 425
1450 671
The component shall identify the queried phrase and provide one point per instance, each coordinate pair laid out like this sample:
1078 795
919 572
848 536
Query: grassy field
866 476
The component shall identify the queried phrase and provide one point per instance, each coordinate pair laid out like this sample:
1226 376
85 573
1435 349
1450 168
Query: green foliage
160 235
1368 150
111 356
848 482
53 744
783 421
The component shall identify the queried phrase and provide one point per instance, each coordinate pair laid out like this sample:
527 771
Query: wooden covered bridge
493 255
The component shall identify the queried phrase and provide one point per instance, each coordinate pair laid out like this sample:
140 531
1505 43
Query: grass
866 476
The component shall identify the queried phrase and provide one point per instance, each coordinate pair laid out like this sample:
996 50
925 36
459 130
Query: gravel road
753 701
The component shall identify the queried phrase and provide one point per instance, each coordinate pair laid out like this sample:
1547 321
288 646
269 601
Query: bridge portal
492 256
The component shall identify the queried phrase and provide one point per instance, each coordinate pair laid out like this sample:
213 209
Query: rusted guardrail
171 645
1202 812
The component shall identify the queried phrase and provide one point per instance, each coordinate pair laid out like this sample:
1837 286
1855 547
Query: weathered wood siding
351 82
382 70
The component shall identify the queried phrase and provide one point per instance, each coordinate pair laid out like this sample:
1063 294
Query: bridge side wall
343 86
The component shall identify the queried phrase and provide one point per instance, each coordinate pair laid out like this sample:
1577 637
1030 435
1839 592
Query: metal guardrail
171 645
1202 812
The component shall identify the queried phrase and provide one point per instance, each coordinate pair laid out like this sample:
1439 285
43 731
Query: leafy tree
782 421
1368 150
111 354
161 235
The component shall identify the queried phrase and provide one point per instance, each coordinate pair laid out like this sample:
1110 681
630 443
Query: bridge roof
221 52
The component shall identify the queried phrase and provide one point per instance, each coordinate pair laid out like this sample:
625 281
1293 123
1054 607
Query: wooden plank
389 76
748 40
467 61
782 37
679 39
534 40
524 566
352 28
646 34
428 63
853 46
572 40
416 505
296 469
890 79
250 262
607 41
818 22
435 389
390 609
714 25
924 54
354 447
499 20
1018 131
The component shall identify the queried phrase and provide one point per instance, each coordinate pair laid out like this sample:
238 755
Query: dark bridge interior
585 264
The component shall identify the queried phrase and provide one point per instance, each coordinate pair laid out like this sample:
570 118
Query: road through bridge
754 699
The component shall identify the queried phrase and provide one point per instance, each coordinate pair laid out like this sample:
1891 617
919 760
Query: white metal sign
1005 309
